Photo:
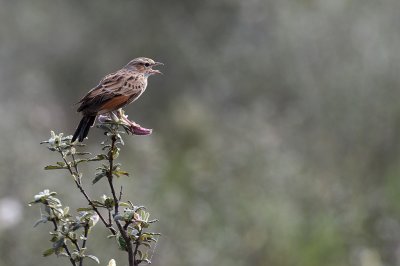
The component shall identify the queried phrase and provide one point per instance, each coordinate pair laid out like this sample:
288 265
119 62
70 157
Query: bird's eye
147 64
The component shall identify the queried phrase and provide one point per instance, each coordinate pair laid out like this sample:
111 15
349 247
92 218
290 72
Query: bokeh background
276 126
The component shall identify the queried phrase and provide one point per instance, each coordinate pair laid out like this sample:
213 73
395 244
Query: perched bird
114 91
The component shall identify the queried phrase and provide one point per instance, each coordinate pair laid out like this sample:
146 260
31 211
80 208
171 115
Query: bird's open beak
155 71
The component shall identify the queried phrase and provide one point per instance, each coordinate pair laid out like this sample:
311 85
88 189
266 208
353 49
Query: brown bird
114 91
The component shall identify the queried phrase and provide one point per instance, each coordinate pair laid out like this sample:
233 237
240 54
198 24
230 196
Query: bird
113 92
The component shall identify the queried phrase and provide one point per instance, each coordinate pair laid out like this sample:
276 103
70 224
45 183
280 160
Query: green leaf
153 234
124 204
93 258
61 164
43 220
98 203
116 166
59 243
140 254
147 261
107 146
145 256
98 177
109 203
81 161
54 237
118 217
99 157
120 139
82 153
79 144
54 167
48 252
63 254
84 209
120 172
103 167
121 243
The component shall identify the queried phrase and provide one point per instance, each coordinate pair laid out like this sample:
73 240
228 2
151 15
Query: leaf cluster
70 232
70 235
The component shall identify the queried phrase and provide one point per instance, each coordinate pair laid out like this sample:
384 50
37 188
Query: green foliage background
276 125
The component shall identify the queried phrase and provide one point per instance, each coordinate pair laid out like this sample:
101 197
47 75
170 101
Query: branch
78 184
110 172
136 249
84 241
65 247
129 238
123 232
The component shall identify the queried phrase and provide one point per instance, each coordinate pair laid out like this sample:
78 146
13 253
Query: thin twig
76 168
120 194
109 216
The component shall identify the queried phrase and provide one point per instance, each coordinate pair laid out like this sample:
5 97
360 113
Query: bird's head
144 65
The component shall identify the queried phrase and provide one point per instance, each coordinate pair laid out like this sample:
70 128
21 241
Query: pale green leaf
98 177
48 252
93 258
54 167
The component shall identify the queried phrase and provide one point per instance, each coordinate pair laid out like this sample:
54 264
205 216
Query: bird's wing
113 92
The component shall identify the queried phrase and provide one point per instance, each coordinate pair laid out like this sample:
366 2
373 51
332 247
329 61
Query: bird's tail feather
83 128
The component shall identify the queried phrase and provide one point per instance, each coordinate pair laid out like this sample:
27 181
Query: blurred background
276 126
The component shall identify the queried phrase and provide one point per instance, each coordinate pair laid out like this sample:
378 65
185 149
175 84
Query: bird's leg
121 115
108 117
114 117
120 112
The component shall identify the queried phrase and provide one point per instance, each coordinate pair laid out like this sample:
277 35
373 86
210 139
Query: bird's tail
83 128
